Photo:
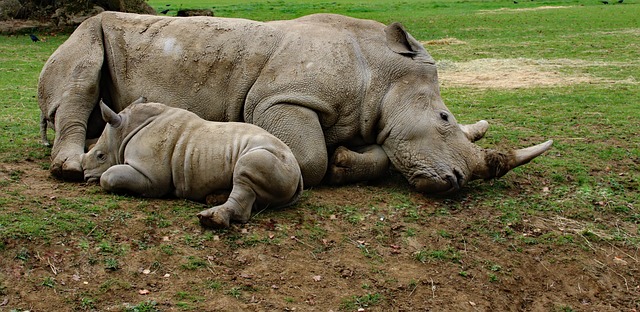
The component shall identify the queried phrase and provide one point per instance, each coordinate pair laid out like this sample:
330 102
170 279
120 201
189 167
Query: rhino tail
43 130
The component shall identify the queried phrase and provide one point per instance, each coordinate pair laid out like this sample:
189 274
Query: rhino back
336 65
205 65
201 155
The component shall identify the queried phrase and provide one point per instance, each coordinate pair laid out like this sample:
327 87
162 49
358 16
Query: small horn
476 131
495 164
110 116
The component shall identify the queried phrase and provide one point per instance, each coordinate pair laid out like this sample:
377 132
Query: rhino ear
110 116
400 41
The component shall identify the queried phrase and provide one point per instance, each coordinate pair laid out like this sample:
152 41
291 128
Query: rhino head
421 136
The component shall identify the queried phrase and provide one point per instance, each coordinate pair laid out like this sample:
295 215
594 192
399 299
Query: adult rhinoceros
323 83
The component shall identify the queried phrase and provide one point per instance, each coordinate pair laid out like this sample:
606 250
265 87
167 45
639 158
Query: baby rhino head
103 154
107 151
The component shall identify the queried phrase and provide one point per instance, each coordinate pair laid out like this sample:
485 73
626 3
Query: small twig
414 289
300 241
53 267
622 251
89 234
259 212
464 241
433 288
588 242
544 266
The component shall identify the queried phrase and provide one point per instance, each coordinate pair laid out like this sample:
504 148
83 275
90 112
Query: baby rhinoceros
154 150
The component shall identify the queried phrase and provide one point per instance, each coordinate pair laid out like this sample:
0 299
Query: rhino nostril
454 182
456 179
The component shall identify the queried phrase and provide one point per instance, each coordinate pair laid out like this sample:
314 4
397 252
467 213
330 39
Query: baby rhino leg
237 207
259 176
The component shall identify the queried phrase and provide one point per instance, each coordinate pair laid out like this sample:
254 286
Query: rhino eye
101 156
444 116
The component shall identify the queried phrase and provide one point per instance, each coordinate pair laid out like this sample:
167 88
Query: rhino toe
68 170
215 218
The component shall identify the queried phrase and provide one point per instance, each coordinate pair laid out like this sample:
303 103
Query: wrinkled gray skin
350 97
154 150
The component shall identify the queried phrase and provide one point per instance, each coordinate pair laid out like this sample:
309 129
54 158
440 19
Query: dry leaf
317 278
146 271
618 260
143 292
167 275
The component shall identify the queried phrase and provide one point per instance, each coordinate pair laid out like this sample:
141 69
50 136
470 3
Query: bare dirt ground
371 247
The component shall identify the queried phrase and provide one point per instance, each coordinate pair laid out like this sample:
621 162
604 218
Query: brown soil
373 247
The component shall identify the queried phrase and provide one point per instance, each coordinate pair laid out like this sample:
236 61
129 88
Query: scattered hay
444 41
517 73
509 10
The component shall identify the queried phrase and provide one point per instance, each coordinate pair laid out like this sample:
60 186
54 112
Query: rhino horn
475 131
496 164
110 116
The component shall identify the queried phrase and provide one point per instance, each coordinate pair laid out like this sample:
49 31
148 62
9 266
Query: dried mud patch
518 73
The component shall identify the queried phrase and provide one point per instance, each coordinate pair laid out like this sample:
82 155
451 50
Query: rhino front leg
126 179
348 166
68 89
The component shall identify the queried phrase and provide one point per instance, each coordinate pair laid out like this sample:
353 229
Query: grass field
559 234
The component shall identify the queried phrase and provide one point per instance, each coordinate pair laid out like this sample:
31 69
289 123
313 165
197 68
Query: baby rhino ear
110 116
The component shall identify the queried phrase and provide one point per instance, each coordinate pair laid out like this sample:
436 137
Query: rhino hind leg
260 178
232 210
285 121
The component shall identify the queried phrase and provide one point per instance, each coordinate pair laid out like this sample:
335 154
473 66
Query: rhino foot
69 170
216 217
339 166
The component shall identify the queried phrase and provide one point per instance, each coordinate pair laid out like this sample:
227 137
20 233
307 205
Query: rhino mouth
438 184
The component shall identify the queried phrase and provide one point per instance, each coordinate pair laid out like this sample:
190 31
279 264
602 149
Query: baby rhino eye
444 116
101 156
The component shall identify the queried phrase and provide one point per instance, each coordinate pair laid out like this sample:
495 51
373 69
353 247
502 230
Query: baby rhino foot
216 217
